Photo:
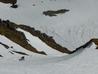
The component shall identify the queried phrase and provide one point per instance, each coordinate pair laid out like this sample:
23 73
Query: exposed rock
6 46
45 38
8 29
22 53
54 13
1 56
13 2
14 6
11 52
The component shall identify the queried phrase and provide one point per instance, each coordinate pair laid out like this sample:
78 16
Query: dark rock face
1 56
54 13
8 29
22 53
45 38
9 1
6 46
13 2
14 6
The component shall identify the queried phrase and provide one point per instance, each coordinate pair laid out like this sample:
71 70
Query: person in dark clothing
22 58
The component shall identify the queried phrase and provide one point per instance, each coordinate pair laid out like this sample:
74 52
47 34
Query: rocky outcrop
6 46
45 38
54 13
22 53
8 29
13 2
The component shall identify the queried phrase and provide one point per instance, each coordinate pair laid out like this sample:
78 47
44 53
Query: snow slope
71 30
81 62
64 28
